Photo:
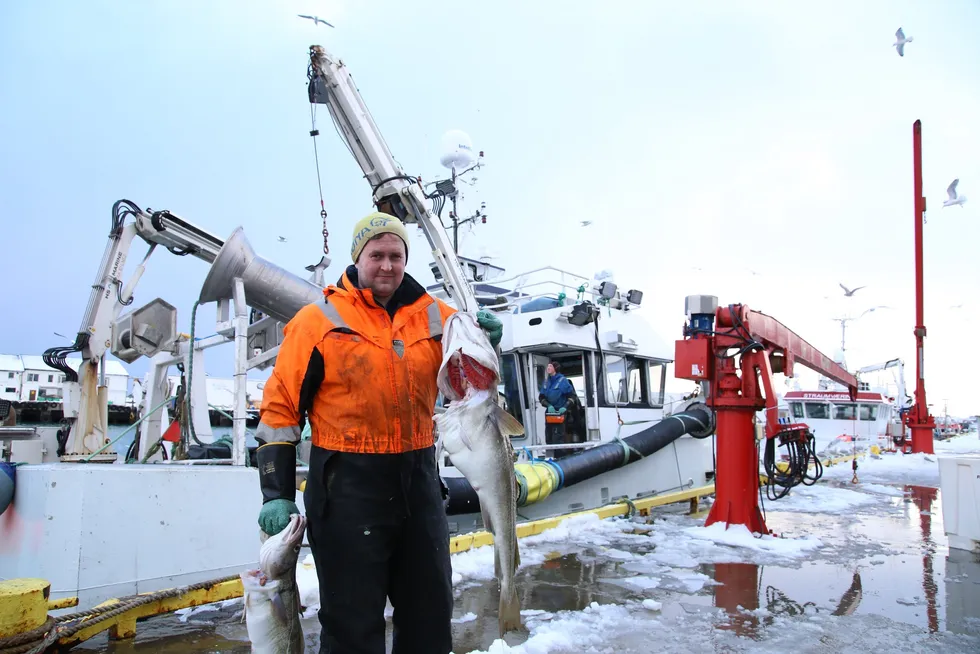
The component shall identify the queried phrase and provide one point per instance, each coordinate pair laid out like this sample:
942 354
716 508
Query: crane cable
314 132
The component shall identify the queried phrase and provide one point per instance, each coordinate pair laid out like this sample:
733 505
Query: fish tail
509 613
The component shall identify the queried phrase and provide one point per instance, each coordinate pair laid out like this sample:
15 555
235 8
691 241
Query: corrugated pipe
551 476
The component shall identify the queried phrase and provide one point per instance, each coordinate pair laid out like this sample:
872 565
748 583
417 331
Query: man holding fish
362 368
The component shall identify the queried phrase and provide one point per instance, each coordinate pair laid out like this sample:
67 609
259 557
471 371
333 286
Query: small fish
272 606
475 432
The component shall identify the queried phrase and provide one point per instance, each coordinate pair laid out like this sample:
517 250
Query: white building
11 377
42 383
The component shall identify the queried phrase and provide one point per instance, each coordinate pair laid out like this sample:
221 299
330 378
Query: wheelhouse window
797 409
657 373
817 410
869 412
845 411
513 400
626 381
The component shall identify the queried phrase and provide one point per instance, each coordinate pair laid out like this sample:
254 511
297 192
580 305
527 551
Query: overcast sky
757 151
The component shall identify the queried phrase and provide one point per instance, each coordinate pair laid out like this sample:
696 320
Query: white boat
840 425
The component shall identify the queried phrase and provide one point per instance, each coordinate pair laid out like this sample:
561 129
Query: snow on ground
636 627
968 443
821 498
921 469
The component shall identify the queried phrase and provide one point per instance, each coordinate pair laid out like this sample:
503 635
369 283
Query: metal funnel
268 288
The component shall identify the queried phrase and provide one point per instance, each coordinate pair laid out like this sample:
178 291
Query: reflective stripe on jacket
362 374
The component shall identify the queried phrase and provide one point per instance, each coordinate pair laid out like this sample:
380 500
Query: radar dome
457 150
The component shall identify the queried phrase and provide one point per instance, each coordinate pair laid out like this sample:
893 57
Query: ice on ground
466 617
637 583
687 581
821 498
652 605
184 614
897 468
740 536
964 444
630 628
881 490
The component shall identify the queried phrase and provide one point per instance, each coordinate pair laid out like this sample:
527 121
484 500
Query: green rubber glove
491 325
274 515
562 410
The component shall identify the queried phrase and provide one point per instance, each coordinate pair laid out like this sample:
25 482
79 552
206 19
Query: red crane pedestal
737 477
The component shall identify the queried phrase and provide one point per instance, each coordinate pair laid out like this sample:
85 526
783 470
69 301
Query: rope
27 637
101 614
627 448
521 487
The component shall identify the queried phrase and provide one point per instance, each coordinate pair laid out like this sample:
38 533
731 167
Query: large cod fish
272 606
475 432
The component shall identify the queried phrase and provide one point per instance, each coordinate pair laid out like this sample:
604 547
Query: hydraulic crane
734 352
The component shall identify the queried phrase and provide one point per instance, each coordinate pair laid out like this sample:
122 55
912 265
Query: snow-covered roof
11 363
35 362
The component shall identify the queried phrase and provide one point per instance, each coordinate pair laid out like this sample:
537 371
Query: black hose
602 458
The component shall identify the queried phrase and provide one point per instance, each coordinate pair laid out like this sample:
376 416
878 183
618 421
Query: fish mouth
292 535
465 373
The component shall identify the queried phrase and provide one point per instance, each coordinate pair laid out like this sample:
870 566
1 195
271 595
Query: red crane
737 350
919 421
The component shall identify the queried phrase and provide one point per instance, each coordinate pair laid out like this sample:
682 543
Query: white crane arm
392 190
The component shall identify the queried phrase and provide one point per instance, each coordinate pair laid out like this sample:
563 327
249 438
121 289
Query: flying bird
953 198
848 292
317 19
901 41
282 239
880 306
586 223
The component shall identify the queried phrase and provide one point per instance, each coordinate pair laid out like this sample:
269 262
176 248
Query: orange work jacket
362 374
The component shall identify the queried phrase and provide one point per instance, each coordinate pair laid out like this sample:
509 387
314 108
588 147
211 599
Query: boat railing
560 281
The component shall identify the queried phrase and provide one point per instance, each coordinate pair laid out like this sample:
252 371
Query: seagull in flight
901 41
849 292
317 19
953 198
880 306
586 223
282 239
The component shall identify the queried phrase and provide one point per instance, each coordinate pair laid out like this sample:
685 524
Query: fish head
468 358
279 553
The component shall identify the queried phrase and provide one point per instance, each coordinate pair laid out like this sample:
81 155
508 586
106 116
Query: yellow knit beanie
373 225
